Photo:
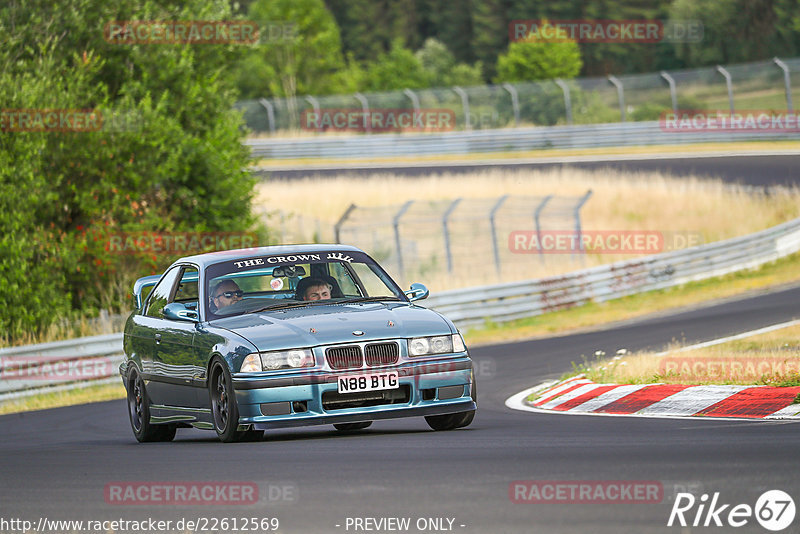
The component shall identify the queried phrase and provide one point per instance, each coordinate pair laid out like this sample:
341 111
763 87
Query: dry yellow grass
772 358
71 397
642 201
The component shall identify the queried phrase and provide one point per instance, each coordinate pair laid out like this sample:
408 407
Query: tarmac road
58 464
755 170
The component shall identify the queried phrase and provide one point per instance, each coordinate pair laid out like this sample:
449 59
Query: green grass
769 358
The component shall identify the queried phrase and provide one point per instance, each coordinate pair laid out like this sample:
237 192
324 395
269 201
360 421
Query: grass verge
771 359
43 401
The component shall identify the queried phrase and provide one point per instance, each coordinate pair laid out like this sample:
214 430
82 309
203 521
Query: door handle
158 338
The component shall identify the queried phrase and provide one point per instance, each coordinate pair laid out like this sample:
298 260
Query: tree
305 62
441 67
397 69
739 30
166 155
539 59
489 33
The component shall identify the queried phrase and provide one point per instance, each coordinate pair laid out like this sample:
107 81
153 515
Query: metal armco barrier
60 365
92 360
515 300
499 140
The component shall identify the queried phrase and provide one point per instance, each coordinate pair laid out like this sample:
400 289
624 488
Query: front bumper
300 398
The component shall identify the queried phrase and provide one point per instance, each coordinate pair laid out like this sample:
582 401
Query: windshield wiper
284 305
366 299
300 304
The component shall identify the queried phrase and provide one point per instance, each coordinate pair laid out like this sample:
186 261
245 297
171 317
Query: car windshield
261 283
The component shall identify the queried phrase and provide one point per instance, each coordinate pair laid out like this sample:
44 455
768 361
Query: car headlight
423 346
282 359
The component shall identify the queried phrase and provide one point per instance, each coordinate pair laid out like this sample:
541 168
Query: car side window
162 293
187 289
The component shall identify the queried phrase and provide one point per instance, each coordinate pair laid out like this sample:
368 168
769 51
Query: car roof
210 258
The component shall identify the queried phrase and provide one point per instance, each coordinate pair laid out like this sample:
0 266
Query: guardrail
498 140
94 360
515 300
61 365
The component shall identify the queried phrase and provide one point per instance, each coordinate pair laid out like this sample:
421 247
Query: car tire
349 427
167 432
448 421
139 413
250 436
470 415
224 410
452 421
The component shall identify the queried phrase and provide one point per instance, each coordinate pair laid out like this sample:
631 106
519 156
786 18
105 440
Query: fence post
567 100
673 92
314 104
577 215
494 231
396 225
787 82
620 94
465 105
514 101
365 108
729 84
414 99
446 215
536 215
270 113
337 227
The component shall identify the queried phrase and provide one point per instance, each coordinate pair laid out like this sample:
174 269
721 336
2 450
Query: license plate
370 382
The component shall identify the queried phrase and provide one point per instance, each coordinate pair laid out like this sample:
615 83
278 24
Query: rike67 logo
774 510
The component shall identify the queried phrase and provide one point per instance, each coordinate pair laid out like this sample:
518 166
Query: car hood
335 323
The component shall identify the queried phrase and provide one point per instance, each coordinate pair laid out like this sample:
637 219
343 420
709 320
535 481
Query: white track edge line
517 401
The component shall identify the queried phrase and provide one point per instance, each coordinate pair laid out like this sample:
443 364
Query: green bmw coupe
243 341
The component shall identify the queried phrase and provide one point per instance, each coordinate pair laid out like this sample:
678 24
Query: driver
226 293
313 289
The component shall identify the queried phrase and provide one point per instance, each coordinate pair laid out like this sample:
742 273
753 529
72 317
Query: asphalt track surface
56 463
748 169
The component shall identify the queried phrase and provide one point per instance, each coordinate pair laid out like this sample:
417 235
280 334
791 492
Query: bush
168 156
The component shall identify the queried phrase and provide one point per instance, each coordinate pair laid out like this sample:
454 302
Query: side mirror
177 311
417 292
